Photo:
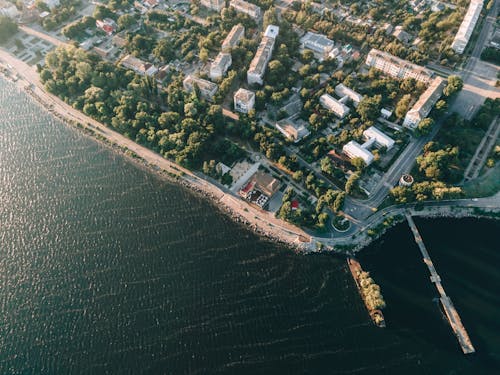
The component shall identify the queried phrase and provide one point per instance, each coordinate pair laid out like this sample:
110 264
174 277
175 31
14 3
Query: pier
451 313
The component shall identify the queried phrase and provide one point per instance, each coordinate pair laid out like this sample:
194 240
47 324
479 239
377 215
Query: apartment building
233 38
242 6
207 88
216 5
396 67
257 69
424 104
220 65
334 105
467 26
244 100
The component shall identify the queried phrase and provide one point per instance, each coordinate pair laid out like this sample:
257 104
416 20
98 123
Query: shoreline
261 222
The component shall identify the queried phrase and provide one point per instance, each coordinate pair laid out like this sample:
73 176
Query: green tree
338 204
358 163
455 84
369 107
298 176
7 29
326 165
352 182
425 126
125 21
403 106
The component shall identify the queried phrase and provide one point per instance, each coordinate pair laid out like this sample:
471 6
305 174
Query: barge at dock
375 314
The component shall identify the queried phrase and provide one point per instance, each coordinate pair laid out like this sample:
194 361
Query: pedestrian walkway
451 313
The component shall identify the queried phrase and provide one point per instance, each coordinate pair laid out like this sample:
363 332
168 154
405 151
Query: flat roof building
381 139
216 5
245 7
342 90
244 100
139 66
258 65
234 37
333 105
220 65
354 150
207 88
401 35
292 130
396 67
424 104
467 26
319 44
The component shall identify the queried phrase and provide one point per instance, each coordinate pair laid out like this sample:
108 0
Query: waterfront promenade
451 313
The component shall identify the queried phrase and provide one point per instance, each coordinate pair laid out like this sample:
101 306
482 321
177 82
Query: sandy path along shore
259 220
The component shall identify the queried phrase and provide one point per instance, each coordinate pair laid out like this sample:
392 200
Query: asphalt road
346 238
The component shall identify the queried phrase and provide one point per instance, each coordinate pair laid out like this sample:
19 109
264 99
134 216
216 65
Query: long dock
451 313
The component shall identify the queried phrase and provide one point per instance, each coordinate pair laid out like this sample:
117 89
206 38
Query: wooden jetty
451 313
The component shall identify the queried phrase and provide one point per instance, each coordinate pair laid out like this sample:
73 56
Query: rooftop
243 95
375 53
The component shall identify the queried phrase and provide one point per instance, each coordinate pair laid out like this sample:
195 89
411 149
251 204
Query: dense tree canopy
7 28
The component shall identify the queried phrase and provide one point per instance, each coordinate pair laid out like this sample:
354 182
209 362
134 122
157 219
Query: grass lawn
485 185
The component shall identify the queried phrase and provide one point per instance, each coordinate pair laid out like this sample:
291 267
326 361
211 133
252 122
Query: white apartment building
333 105
216 5
258 65
234 37
467 27
319 44
354 150
396 67
381 139
244 100
424 104
342 91
220 65
242 6
207 88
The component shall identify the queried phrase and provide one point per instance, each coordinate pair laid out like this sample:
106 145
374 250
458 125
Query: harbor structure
244 100
424 104
467 26
450 310
396 67
257 69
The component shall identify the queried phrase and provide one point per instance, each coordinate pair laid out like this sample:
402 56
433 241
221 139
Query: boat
376 315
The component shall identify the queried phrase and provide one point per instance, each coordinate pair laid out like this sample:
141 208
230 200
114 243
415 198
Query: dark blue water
106 269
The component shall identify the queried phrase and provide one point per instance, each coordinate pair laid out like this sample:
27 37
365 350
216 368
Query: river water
106 269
